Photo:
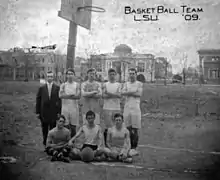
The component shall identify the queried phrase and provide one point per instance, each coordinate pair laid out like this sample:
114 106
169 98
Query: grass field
175 144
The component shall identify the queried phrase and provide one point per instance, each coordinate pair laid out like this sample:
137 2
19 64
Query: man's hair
90 113
91 70
111 70
61 116
70 70
118 115
133 69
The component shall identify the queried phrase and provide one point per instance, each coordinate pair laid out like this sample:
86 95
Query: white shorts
72 116
107 120
132 117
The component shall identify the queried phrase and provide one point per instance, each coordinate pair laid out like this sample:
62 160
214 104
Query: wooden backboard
69 12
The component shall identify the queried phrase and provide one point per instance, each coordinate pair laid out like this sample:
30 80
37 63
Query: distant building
209 61
79 65
33 65
160 68
49 62
122 59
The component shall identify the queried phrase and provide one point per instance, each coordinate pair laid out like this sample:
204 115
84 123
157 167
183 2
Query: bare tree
183 63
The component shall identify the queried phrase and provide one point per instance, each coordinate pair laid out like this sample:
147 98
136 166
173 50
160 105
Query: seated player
93 137
57 141
118 141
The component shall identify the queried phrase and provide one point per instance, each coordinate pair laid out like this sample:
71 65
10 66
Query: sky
25 23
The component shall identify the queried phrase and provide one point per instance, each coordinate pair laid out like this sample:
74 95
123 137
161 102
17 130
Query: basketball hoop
92 8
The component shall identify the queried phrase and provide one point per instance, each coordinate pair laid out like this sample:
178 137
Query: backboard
69 12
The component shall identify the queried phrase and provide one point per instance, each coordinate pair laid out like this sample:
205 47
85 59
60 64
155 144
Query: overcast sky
23 23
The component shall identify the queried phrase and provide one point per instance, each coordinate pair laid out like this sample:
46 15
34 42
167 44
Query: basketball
75 154
87 154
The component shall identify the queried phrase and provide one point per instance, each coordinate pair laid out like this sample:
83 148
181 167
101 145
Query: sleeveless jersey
112 103
92 136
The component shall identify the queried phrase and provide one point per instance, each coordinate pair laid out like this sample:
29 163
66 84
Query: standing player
70 94
91 92
111 95
132 90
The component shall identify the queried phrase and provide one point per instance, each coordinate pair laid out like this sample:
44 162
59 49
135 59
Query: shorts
72 116
97 119
93 147
108 115
132 117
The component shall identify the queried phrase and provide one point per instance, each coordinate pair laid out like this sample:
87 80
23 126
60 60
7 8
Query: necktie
49 89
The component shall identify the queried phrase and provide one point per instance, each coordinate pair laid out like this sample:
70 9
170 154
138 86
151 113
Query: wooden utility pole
71 48
185 58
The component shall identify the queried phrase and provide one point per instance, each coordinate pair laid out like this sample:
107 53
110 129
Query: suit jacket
48 107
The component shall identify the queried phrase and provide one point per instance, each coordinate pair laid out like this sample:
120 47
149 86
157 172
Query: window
103 67
214 74
42 60
108 65
98 67
215 58
141 67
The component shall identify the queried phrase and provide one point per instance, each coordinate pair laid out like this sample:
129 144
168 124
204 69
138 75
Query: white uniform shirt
132 102
70 107
112 103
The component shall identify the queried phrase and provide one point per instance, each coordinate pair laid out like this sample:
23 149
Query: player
92 134
118 141
57 141
91 92
111 95
70 94
132 90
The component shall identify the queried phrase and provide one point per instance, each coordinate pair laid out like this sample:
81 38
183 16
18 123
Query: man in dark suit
48 105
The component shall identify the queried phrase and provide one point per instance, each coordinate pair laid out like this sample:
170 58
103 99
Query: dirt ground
175 144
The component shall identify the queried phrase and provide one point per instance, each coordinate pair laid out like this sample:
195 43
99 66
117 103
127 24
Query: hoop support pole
71 45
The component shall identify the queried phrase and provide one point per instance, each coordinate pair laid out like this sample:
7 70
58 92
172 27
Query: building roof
122 48
209 51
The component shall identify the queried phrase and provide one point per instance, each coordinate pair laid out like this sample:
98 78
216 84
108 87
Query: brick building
209 61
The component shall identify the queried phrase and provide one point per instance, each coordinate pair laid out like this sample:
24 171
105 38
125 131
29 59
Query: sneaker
109 159
133 152
128 160
100 158
54 159
97 159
